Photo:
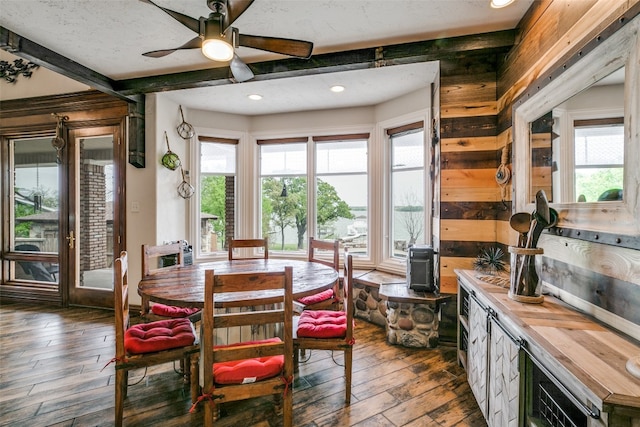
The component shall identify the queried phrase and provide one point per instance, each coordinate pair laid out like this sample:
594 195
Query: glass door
63 230
34 230
92 239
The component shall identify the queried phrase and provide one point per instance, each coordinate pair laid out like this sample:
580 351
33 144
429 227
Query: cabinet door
504 382
477 354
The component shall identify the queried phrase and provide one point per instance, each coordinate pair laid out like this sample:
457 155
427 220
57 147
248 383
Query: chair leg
287 409
121 393
277 403
184 369
211 413
348 361
296 359
195 377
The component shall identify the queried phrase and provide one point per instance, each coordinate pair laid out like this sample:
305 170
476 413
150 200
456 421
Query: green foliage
594 184
291 211
212 201
22 229
281 210
330 205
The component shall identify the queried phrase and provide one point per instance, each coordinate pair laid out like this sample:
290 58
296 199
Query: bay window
369 191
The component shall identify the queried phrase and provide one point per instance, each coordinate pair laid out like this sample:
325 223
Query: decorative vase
525 284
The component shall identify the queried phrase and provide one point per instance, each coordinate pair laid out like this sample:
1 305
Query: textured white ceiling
109 36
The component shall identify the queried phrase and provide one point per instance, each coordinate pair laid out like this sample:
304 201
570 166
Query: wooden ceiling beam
40 55
131 89
359 59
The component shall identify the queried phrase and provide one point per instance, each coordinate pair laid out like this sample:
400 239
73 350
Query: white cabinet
504 378
492 360
477 362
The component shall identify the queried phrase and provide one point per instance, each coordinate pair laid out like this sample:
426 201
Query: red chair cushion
248 370
322 324
316 298
157 336
171 311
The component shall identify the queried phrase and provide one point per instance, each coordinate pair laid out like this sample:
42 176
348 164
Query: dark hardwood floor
52 373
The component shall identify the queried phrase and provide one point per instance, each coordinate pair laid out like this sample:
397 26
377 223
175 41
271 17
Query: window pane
600 145
599 163
217 158
284 196
336 157
283 159
217 195
284 213
407 192
342 196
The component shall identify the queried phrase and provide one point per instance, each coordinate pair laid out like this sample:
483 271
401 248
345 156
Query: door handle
71 240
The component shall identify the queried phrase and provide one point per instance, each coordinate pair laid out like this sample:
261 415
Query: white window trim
567 149
382 188
193 226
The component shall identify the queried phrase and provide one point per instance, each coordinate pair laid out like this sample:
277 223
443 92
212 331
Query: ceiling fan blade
189 22
241 71
235 8
297 48
194 43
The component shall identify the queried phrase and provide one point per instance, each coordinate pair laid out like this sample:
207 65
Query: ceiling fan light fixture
217 50
497 4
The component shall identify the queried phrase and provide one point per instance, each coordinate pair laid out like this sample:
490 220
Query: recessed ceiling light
497 4
337 88
255 97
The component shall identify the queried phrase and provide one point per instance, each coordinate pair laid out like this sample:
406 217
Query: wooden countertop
402 293
593 354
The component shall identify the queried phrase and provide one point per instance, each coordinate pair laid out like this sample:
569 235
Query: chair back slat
248 243
228 320
242 353
154 258
330 248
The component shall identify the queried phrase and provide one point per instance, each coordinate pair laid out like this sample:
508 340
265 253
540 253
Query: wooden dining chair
248 243
243 370
329 299
329 329
148 344
158 259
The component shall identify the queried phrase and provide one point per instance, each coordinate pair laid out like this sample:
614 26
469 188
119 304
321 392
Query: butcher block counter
587 357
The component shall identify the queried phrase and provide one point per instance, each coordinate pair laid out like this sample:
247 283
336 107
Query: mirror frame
621 48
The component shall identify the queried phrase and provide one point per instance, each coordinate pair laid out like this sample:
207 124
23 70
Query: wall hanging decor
170 160
185 190
58 141
185 130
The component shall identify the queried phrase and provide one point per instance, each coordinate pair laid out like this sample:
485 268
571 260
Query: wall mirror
577 138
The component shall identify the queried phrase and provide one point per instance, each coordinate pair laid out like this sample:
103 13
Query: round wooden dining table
184 287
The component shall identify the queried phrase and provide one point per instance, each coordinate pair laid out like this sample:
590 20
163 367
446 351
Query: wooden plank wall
476 97
470 153
594 277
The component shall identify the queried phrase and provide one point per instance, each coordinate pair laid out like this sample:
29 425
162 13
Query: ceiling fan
218 39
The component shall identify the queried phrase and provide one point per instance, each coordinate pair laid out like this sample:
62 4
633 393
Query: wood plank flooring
52 373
